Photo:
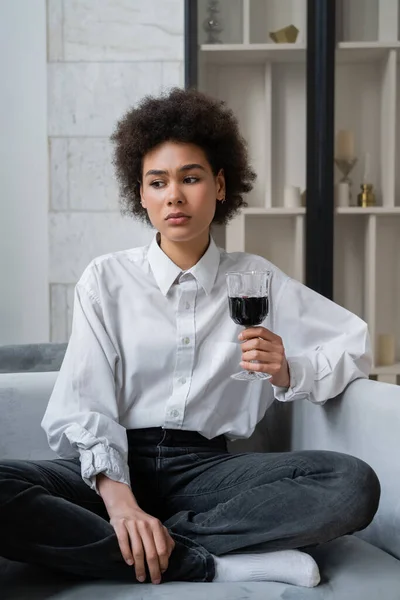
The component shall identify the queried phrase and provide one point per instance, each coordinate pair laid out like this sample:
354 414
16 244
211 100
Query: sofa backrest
32 358
23 401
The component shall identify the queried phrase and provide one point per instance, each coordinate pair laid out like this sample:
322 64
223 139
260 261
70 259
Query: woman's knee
367 492
17 470
19 475
15 475
358 492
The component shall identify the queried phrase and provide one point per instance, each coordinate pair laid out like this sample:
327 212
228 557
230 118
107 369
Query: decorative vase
212 24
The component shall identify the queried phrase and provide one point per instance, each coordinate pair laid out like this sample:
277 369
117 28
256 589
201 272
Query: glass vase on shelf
345 159
212 25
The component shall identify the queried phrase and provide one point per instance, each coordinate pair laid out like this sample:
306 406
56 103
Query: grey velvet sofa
364 421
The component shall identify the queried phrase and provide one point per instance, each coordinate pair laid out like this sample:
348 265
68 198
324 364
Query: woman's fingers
150 549
261 356
144 540
170 540
263 351
162 546
260 344
270 369
123 542
138 552
259 332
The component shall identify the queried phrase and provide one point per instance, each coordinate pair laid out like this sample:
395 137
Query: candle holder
366 197
212 24
346 166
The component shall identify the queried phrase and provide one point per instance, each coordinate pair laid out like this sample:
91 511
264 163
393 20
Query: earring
222 200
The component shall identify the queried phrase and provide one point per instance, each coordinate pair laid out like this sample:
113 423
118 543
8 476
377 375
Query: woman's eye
157 184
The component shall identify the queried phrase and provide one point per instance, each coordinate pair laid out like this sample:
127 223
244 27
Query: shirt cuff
103 459
302 378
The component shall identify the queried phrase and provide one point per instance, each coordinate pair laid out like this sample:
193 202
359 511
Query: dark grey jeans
212 502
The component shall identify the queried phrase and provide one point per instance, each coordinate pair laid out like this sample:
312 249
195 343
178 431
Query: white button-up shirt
152 346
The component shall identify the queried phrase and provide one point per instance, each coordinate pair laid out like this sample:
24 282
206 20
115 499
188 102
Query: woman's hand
141 537
260 344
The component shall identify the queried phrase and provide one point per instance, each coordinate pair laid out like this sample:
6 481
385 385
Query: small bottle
366 196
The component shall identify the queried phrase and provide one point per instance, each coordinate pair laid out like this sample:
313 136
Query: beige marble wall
103 56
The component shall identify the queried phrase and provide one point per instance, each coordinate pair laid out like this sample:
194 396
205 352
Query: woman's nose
172 201
175 195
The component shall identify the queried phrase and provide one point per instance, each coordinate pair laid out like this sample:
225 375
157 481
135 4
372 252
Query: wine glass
248 293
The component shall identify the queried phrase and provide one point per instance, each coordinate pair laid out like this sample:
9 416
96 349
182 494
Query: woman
144 404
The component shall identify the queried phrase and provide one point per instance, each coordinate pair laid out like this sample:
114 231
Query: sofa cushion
350 569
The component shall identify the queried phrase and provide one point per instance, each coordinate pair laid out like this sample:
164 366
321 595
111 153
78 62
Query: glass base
250 376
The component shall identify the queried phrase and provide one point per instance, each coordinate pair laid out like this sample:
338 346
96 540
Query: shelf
222 54
275 211
347 52
389 370
341 210
265 85
372 210
363 52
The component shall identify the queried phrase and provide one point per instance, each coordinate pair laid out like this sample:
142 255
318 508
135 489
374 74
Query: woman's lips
178 220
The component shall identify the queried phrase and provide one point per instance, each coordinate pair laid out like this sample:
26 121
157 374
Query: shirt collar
166 272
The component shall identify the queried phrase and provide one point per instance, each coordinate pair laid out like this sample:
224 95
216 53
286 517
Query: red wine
248 311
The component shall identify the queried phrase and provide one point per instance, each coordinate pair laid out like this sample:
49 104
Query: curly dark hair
187 116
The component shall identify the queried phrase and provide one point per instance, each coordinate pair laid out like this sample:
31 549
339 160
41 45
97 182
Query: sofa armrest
365 422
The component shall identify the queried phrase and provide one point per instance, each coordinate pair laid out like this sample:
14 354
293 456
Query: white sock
288 566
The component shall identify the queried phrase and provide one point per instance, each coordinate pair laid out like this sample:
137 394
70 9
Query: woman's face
177 179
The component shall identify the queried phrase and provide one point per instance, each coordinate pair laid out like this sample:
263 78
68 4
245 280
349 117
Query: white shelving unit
265 84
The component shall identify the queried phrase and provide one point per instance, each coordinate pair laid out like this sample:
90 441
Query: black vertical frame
190 43
321 44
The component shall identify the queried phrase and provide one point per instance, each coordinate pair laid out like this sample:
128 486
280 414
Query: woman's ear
142 200
221 188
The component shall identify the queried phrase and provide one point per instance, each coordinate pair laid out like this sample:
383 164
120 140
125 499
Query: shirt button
174 413
182 380
186 341
187 305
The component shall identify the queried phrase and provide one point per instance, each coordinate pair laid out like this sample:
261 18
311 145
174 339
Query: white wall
58 198
24 292
102 58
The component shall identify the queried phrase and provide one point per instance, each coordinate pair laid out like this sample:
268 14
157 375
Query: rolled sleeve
82 416
302 376
103 459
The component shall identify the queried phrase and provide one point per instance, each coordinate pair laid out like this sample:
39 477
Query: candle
386 349
291 196
345 145
342 194
367 168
